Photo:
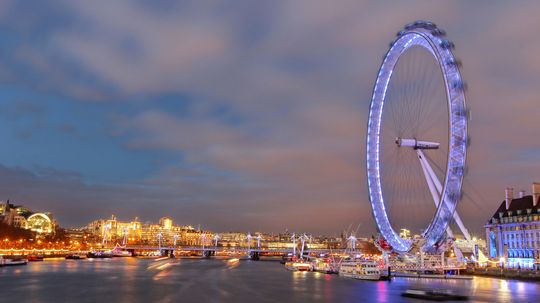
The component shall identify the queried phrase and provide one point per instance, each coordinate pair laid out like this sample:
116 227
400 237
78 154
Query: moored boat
76 256
13 262
298 266
34 258
323 265
286 258
362 270
99 254
121 253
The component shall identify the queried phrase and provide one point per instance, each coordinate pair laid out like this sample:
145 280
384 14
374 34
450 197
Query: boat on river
34 258
121 253
434 295
298 266
76 256
13 262
325 265
362 270
99 254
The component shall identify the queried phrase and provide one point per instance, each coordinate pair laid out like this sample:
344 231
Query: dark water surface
143 280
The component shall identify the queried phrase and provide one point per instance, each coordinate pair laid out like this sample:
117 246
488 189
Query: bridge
243 250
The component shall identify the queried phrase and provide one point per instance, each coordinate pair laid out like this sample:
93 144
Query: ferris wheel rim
440 48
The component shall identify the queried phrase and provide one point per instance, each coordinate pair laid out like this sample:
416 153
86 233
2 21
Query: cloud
279 94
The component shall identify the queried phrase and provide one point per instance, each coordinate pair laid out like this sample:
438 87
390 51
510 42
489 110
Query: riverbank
507 273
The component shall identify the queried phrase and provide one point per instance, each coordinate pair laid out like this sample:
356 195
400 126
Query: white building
513 232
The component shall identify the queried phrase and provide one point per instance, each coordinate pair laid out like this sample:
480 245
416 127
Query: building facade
112 231
22 217
513 232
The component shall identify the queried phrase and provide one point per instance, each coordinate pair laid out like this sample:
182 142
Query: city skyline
241 117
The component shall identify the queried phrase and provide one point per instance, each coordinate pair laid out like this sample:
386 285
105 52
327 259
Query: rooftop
521 204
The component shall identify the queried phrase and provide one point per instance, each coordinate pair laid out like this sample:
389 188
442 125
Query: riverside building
22 217
112 231
513 232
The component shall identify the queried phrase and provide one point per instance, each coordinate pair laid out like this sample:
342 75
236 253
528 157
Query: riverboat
13 262
286 258
99 254
76 256
121 253
34 258
434 295
324 266
298 266
362 270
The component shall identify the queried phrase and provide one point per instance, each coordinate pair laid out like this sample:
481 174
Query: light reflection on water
196 280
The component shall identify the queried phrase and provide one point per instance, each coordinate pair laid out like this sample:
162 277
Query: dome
40 223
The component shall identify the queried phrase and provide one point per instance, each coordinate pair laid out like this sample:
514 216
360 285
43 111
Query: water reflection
382 292
140 280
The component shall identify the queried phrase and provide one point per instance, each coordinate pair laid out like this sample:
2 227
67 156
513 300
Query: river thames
207 280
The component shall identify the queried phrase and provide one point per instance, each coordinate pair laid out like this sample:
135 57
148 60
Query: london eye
417 138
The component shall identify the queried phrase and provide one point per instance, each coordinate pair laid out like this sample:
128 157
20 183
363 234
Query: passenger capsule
447 44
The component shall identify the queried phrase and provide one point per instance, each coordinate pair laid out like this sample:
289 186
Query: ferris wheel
417 130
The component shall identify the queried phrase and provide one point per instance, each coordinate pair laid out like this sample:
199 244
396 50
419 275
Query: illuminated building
20 221
233 239
513 232
405 233
467 247
7 212
22 217
166 223
41 223
112 231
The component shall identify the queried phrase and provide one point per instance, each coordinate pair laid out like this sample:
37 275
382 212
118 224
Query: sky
242 115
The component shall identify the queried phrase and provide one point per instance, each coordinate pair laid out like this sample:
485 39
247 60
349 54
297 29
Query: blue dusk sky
241 115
